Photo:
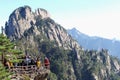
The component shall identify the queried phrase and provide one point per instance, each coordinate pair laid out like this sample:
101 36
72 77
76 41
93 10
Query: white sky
103 22
92 17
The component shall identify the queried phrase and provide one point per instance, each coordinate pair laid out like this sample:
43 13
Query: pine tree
4 73
7 51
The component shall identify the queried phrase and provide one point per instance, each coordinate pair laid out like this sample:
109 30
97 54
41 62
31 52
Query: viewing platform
30 71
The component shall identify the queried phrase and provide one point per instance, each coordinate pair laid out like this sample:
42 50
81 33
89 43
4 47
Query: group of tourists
46 63
27 61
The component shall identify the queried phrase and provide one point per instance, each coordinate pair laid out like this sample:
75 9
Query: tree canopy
7 49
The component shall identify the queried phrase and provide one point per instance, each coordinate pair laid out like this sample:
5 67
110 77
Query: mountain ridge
96 42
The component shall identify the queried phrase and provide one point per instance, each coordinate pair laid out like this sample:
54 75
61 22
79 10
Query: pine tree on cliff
6 48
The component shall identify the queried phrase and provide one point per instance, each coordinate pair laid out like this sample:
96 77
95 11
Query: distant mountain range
96 43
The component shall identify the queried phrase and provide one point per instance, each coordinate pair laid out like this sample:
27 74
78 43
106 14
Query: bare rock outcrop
21 20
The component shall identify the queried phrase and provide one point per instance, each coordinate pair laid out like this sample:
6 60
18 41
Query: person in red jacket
47 63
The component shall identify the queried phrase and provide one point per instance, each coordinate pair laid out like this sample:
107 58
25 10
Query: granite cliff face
36 33
22 19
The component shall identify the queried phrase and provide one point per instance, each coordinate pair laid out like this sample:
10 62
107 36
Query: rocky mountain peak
23 22
23 12
22 19
42 12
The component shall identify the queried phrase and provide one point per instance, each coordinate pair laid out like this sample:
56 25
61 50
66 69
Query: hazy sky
92 17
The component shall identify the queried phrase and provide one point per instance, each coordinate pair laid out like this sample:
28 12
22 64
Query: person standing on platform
47 63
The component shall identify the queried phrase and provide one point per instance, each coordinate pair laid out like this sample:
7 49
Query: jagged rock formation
105 65
23 20
23 16
36 33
